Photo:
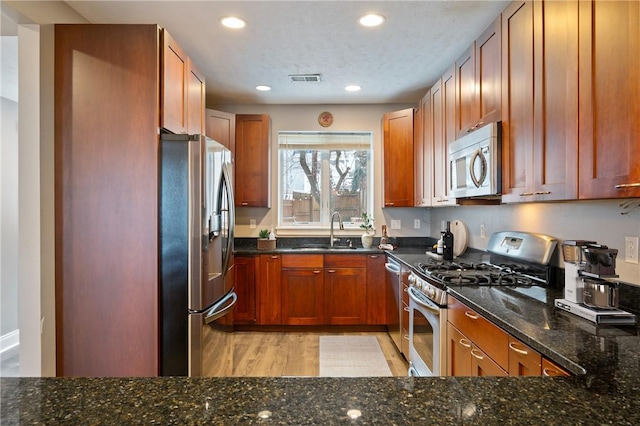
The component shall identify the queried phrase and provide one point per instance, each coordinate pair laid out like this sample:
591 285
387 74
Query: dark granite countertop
310 401
606 361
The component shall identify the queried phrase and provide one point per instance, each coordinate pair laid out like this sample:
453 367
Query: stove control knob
412 279
431 292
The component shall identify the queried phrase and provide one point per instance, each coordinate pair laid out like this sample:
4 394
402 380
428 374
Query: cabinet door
523 361
423 153
245 287
443 105
376 289
269 290
173 113
195 100
609 148
346 295
467 108
253 161
221 127
482 365
488 74
540 133
518 101
303 296
459 353
398 158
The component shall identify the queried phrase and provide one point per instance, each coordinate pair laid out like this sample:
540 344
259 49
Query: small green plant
264 233
367 222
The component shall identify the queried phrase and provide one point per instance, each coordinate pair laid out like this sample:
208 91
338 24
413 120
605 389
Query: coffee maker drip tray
595 315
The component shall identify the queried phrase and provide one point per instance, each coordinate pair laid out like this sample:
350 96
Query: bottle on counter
272 235
447 239
440 244
385 238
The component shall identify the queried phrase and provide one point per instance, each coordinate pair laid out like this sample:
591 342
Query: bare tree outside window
319 178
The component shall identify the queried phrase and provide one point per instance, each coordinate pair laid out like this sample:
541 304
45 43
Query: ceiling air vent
304 77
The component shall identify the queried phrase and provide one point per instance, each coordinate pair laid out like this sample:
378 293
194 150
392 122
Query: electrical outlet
416 223
483 231
396 224
252 224
631 249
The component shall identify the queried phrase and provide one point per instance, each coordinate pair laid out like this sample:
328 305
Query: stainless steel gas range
517 259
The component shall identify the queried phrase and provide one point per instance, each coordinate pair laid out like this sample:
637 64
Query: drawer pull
316 272
465 343
406 309
245 204
476 354
543 192
274 257
331 271
526 194
471 315
512 345
628 185
549 372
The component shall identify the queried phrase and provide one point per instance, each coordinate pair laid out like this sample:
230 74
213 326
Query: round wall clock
325 119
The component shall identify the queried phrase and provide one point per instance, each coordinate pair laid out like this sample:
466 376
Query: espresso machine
589 289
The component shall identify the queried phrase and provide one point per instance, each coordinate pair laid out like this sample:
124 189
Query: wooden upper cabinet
173 113
195 100
253 161
221 127
540 98
398 158
424 152
609 119
443 113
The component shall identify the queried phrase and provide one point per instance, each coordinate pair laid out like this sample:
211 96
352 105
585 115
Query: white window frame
325 214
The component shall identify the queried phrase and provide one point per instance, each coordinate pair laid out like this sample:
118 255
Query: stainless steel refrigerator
196 253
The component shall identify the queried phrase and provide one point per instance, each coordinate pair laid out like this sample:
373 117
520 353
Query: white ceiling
394 63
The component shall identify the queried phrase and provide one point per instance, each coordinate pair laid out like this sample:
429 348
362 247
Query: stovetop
483 274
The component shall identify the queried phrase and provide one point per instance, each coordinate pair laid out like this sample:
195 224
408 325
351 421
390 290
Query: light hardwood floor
291 354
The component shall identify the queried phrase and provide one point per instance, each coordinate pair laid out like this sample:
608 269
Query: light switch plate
252 224
416 223
396 224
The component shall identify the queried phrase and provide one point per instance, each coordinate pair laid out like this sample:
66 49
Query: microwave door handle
483 167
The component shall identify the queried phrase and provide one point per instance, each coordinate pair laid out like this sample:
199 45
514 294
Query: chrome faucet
331 239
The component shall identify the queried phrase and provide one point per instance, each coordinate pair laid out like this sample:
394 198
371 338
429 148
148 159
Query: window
323 172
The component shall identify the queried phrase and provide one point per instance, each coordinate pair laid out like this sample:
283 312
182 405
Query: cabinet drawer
551 369
302 260
345 261
488 337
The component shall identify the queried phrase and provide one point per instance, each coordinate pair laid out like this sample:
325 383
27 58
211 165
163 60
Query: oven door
427 322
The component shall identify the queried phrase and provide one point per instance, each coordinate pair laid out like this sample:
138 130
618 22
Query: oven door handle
427 304
393 268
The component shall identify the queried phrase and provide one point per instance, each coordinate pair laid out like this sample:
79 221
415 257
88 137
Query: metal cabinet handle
374 256
331 271
406 309
476 354
542 193
628 185
245 204
526 194
465 343
274 257
388 204
405 336
512 345
471 315
548 372
316 272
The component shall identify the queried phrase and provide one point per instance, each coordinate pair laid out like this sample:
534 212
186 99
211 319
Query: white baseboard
9 340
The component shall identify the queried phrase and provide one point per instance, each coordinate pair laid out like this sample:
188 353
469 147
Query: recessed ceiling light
263 88
233 22
352 88
371 20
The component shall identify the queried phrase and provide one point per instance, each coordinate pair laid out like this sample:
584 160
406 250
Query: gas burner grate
480 274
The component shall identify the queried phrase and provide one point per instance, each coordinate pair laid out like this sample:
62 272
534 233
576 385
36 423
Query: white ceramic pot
367 239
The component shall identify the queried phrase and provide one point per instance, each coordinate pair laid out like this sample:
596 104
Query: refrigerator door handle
217 311
225 186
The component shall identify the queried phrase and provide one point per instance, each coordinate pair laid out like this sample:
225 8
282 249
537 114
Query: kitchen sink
322 247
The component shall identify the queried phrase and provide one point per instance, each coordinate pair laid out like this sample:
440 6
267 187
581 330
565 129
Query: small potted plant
367 225
264 243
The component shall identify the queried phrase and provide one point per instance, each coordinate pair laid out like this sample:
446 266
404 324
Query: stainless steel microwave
474 163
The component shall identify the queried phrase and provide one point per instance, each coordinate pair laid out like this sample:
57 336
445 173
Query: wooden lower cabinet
466 359
523 361
245 287
268 300
345 295
477 347
302 296
376 290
